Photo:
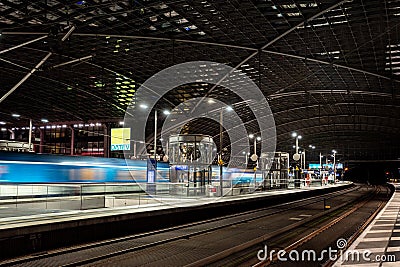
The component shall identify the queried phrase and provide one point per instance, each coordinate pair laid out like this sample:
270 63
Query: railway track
101 253
317 232
317 235
354 236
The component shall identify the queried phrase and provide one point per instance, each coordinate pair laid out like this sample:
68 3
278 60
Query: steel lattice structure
330 69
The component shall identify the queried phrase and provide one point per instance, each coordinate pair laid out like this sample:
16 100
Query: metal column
72 140
41 144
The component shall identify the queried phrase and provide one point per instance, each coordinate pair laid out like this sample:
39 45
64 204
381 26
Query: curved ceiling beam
356 145
140 37
14 64
301 24
254 50
299 92
333 116
334 104
305 129
100 67
250 123
37 66
65 84
274 41
23 44
296 93
357 140
287 133
332 64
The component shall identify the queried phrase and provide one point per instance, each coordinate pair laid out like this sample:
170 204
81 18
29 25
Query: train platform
25 212
32 229
379 244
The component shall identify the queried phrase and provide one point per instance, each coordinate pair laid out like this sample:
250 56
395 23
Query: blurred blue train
33 168
36 168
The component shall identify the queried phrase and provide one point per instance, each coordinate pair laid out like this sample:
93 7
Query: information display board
316 166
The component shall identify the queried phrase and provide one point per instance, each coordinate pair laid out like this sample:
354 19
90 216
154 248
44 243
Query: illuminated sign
324 166
313 166
120 139
181 167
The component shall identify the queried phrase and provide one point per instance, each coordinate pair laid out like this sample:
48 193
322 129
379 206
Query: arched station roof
329 69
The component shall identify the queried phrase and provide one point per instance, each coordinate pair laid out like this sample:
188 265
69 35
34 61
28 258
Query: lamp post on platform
296 157
220 160
165 112
254 157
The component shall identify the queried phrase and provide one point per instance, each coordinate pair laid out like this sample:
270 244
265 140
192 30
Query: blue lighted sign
120 147
324 165
181 167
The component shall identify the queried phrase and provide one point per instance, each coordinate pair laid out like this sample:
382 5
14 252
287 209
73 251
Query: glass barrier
104 195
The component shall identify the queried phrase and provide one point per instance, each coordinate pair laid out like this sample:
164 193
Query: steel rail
226 253
319 230
350 241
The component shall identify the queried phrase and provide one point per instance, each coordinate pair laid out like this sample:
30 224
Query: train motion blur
34 168
44 168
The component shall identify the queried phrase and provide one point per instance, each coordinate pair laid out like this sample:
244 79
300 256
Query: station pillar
72 140
12 134
106 142
41 144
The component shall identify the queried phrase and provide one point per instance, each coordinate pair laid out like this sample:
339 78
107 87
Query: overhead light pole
220 161
165 112
296 157
254 157
155 135
30 136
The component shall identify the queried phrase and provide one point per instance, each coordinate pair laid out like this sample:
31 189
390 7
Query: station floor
379 244
20 216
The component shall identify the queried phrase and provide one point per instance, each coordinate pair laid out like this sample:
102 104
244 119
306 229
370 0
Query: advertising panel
120 139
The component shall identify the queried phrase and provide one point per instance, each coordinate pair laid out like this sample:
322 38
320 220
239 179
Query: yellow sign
120 139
